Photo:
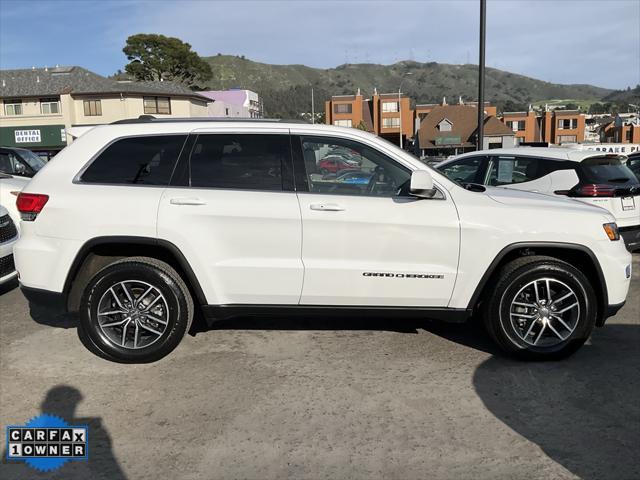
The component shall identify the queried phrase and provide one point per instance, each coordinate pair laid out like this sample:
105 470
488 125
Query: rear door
232 211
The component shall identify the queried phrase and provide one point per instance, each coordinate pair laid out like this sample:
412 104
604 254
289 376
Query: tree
156 57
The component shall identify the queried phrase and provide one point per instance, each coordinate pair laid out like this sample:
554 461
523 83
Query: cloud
560 41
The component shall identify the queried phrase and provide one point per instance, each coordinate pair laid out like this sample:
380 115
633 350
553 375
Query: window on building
243 162
389 106
49 106
516 125
567 139
92 108
160 105
393 122
342 123
342 108
13 107
136 160
567 123
444 125
627 135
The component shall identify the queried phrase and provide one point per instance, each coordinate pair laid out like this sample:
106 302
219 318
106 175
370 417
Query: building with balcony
383 114
550 127
234 103
38 105
624 128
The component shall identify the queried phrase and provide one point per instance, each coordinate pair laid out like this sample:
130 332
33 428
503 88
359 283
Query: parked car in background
8 237
602 179
633 163
17 167
335 163
137 224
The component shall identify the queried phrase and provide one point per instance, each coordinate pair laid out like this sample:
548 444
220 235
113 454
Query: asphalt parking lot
312 398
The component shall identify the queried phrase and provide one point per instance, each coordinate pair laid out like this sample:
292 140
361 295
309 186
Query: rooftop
41 82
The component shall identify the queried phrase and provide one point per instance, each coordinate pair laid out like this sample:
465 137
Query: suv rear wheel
135 310
540 308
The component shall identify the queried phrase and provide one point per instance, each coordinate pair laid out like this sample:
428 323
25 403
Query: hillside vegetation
286 88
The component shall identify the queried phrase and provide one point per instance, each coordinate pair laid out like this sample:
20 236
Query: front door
365 240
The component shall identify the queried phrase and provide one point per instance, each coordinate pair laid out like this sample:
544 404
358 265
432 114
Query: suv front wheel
135 310
540 308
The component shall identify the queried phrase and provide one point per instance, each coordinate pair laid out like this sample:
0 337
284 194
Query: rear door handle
187 201
327 207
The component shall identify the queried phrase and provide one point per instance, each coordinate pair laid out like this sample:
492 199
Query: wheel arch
572 253
98 252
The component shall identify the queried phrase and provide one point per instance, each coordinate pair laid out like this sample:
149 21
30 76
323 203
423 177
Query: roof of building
464 120
40 82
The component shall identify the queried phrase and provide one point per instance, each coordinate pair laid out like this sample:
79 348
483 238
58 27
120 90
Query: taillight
30 205
593 190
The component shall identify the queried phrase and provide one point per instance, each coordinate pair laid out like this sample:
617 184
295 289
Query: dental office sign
27 136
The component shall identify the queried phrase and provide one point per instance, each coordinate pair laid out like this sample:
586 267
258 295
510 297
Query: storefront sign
27 136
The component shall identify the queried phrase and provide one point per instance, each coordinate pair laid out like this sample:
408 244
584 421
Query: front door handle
187 201
327 207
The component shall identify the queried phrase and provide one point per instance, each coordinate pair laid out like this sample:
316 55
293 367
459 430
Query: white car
137 223
17 167
8 238
597 178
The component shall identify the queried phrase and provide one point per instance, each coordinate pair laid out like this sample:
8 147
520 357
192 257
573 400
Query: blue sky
563 41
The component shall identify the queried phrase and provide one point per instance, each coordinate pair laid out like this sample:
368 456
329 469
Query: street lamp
404 77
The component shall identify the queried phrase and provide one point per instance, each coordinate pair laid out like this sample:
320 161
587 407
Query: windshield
608 169
33 160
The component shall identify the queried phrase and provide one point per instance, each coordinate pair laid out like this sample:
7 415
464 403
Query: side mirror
422 184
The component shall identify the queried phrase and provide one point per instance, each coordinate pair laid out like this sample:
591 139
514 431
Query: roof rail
152 119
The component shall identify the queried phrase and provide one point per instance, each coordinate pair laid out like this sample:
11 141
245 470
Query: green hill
286 88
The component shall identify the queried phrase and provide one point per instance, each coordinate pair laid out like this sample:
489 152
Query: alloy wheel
133 314
545 312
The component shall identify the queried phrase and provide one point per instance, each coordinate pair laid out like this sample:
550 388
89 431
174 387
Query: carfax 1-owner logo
47 442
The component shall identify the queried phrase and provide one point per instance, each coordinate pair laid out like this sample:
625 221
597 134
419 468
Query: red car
334 164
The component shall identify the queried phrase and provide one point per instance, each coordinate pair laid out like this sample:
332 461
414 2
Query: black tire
515 276
177 300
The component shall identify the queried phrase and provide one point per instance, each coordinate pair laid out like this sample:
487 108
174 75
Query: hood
520 198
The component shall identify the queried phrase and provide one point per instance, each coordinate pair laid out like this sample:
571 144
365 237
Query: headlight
611 230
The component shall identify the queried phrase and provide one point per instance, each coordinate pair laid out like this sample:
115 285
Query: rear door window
608 169
145 160
239 161
510 170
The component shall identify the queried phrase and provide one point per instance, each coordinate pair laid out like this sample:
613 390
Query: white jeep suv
137 223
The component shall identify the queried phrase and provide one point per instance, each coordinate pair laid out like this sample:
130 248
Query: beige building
38 105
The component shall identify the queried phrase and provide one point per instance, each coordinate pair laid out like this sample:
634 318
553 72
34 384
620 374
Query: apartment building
551 127
383 114
624 128
38 105
234 103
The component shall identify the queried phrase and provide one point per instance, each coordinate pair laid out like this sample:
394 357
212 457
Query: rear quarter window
147 160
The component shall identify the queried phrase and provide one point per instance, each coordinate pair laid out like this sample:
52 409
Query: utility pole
483 24
313 108
400 104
